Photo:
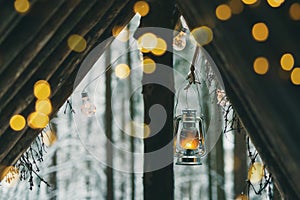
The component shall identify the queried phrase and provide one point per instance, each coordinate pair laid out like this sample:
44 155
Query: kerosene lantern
189 125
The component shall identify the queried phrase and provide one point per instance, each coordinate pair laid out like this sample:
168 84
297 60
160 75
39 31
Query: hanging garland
259 179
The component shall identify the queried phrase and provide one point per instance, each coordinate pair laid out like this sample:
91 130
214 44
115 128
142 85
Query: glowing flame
190 143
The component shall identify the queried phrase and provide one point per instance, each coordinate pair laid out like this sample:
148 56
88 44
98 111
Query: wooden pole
159 184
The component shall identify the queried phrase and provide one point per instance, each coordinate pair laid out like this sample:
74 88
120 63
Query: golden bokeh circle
122 71
22 6
294 11
43 106
260 32
261 65
121 33
116 30
203 35
249 2
275 3
149 66
141 7
161 47
295 76
148 41
77 43
37 120
41 89
287 61
223 12
17 122
140 46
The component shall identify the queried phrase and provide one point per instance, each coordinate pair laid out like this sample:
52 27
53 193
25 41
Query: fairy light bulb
256 172
179 41
87 108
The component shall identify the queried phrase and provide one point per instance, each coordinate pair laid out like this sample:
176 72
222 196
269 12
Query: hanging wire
109 67
69 105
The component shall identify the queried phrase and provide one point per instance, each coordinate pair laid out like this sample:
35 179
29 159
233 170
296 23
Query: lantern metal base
189 157
188 160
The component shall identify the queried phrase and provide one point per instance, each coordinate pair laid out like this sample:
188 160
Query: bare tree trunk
240 163
210 183
220 168
88 162
159 184
108 129
53 175
132 139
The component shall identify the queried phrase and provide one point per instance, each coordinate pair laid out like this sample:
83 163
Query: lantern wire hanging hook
191 77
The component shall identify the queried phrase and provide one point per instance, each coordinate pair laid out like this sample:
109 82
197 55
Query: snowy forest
97 152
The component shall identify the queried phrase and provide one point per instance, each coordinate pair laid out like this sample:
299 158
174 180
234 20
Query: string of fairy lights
150 43
259 180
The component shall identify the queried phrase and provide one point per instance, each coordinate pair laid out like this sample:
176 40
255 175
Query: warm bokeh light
295 76
261 65
190 143
256 172
260 32
223 12
41 89
43 106
242 197
141 7
147 130
121 33
203 35
137 129
249 2
122 71
294 11
148 41
22 6
149 66
116 30
77 43
49 138
236 6
287 61
275 3
37 120
161 47
17 122
9 176
142 49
